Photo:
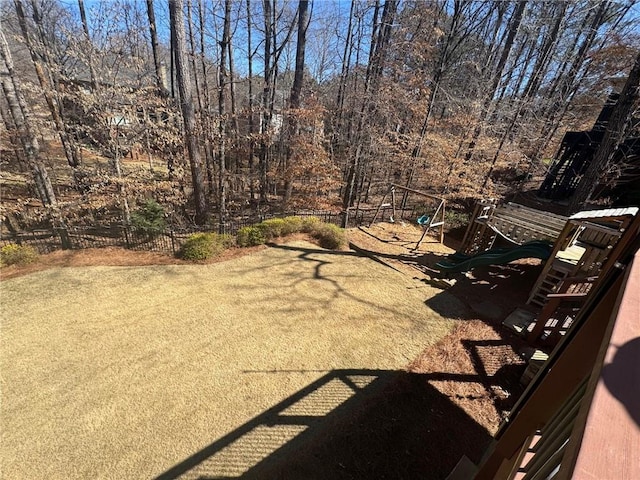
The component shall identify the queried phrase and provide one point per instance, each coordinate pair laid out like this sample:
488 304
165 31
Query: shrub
455 219
226 240
329 236
292 225
149 218
309 224
250 236
201 246
13 254
272 228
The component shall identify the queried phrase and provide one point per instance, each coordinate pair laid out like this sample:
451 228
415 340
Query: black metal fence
170 240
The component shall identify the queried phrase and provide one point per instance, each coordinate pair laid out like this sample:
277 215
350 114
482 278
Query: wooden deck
610 446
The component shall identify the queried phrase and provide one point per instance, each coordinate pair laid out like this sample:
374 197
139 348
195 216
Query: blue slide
459 262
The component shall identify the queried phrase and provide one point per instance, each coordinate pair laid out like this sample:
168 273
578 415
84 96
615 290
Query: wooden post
434 223
444 203
393 202
375 216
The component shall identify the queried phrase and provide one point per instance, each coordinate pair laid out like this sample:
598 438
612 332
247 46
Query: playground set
584 395
582 384
581 317
429 214
577 251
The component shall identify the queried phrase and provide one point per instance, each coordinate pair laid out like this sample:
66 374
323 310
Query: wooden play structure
430 220
514 223
586 246
578 418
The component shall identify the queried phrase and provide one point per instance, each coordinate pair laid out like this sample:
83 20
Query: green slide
459 262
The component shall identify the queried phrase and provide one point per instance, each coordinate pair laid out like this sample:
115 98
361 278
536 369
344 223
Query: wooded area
225 108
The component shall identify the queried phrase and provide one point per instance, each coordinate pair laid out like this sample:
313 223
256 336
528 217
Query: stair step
519 321
464 470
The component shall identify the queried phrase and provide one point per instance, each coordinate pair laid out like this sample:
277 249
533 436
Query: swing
424 220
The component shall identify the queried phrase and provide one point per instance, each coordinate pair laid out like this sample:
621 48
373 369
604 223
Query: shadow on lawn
490 292
355 424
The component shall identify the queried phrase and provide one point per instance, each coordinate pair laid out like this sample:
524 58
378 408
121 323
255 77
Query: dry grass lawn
123 372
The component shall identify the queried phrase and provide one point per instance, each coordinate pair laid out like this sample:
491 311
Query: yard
201 370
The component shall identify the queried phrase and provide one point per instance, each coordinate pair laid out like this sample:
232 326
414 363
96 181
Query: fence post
345 218
65 240
173 242
125 230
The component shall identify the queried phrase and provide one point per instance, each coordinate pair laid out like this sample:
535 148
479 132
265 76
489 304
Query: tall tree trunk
267 96
21 117
205 117
296 88
222 180
232 95
346 66
183 77
514 26
44 78
250 54
153 33
172 55
303 24
617 128
192 56
87 38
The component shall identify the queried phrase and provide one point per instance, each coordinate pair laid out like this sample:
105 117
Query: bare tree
273 49
40 59
514 26
89 46
20 114
183 77
250 56
380 40
296 88
223 80
153 34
